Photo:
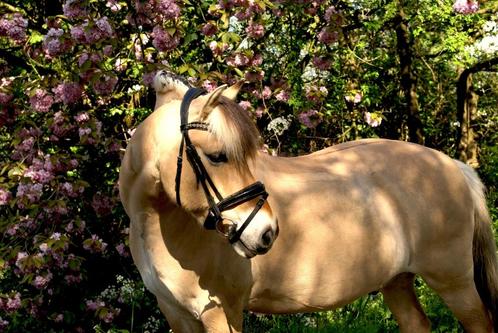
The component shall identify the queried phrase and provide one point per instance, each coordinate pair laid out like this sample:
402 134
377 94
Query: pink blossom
373 119
5 196
465 6
3 324
68 92
218 48
14 26
20 258
59 318
102 204
94 244
78 34
32 192
257 60
13 303
329 13
266 92
310 118
41 282
255 30
107 50
5 98
322 63
105 27
84 57
209 85
148 78
259 111
168 9
73 9
54 43
328 37
254 76
72 279
105 84
245 105
121 248
41 101
94 305
162 40
82 117
283 96
113 5
209 29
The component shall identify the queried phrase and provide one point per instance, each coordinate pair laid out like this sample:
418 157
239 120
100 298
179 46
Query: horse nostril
267 238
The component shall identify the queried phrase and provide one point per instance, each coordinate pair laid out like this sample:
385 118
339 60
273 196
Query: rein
214 218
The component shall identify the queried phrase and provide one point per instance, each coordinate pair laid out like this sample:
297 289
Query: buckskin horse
205 205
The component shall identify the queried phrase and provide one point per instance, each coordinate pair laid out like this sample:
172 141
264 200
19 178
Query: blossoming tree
75 82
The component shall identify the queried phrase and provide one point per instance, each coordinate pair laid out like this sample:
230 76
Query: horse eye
217 158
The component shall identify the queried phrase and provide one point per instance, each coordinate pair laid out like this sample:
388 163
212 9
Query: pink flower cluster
73 9
14 27
209 29
162 40
255 30
94 244
102 204
465 6
60 126
40 171
29 191
55 43
310 118
11 303
108 315
328 36
91 32
41 281
322 63
282 96
168 9
71 190
25 149
5 196
104 85
68 92
315 93
218 48
41 101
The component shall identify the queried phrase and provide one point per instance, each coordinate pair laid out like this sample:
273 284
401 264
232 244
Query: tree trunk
408 79
466 112
467 98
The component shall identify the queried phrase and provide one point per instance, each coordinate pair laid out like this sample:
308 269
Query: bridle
214 219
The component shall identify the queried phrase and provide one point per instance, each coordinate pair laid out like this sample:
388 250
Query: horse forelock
233 126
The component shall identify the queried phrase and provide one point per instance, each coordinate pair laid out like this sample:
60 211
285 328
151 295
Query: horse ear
232 91
211 101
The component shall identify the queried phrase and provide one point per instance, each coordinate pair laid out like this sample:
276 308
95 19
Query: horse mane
169 86
233 126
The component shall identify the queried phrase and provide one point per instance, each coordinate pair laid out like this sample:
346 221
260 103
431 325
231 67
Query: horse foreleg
400 297
179 320
216 319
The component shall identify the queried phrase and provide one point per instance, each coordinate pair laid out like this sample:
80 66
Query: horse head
205 167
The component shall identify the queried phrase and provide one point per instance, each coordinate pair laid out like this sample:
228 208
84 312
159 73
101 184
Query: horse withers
335 225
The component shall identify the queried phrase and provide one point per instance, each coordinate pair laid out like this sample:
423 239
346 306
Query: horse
318 231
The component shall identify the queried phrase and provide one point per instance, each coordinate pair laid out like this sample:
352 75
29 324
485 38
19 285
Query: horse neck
165 98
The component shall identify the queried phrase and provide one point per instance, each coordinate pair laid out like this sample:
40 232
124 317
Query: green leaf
35 37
